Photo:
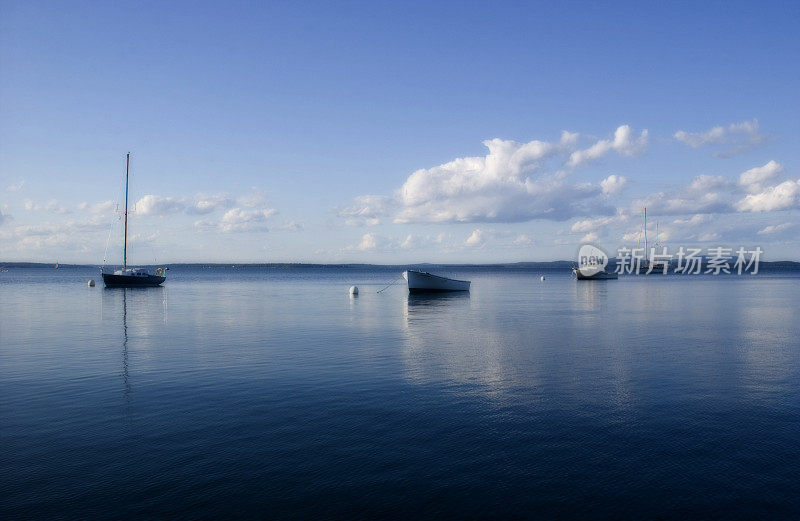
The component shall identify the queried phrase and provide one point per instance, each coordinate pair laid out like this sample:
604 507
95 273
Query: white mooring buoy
542 279
91 283
354 290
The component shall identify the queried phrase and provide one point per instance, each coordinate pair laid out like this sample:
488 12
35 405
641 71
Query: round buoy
91 283
354 290
542 278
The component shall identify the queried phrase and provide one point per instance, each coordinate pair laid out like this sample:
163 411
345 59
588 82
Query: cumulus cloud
523 240
70 234
613 184
240 220
738 137
598 224
625 142
508 184
51 206
694 220
477 239
256 198
16 187
97 208
494 188
705 194
775 228
4 218
208 203
420 241
367 210
156 205
200 204
754 179
369 241
780 197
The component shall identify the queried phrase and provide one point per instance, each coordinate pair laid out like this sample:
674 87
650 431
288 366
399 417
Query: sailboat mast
645 230
125 247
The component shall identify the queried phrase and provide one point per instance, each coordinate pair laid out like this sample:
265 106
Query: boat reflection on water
591 297
433 300
125 375
140 311
435 306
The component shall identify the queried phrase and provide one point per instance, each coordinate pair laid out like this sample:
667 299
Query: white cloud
780 197
775 228
705 194
4 217
367 209
523 240
494 188
51 206
613 184
693 220
508 184
625 142
477 239
369 241
205 204
241 220
70 234
156 205
256 198
598 224
590 237
292 226
738 137
97 208
409 242
16 187
417 241
754 179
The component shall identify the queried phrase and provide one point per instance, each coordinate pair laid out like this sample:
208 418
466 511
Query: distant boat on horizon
592 263
648 266
422 281
131 277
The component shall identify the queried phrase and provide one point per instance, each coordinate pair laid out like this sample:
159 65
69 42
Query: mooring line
391 284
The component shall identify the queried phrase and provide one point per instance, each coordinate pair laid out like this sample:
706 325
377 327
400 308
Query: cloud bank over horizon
518 197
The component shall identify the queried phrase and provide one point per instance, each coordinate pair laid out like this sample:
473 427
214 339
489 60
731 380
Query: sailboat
131 277
648 265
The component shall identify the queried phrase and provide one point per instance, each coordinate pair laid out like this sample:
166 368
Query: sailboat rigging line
114 219
392 283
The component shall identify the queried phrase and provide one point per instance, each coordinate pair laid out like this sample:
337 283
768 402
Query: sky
388 132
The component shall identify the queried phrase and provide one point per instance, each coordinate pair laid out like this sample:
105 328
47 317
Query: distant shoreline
793 265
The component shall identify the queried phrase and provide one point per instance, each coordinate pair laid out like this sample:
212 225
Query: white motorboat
422 281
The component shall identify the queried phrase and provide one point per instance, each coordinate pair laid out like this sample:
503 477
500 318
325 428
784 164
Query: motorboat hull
423 282
131 281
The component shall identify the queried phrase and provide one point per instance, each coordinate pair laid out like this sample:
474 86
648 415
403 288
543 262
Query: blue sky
343 132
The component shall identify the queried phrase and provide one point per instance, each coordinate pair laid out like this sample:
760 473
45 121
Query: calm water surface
271 393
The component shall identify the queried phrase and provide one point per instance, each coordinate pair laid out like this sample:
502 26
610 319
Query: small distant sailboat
422 281
648 265
131 277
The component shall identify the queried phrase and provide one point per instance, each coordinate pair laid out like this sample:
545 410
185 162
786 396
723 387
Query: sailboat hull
130 281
